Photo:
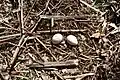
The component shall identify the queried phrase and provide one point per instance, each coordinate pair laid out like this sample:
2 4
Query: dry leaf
96 35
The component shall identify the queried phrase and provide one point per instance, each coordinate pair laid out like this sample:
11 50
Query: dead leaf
96 35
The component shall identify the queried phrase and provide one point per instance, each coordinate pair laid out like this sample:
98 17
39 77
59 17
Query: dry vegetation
26 51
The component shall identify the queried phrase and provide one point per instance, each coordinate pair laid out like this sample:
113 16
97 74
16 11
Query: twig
44 9
60 49
12 28
58 75
16 53
8 36
21 44
52 24
8 28
63 31
34 27
97 10
22 22
46 48
30 11
54 7
50 69
60 17
65 64
39 32
33 58
1 76
36 52
18 76
3 41
16 45
79 76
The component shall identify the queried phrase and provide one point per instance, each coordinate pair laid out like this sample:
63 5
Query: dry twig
97 10
79 76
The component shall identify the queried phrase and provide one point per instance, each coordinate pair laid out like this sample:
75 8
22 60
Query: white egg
57 38
72 40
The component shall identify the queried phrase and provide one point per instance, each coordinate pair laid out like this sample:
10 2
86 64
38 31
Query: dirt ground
28 53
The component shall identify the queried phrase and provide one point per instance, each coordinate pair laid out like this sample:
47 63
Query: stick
39 32
21 44
79 76
16 53
58 75
16 45
8 36
65 64
45 8
36 52
5 40
60 17
30 11
46 48
63 31
1 76
22 22
12 28
97 10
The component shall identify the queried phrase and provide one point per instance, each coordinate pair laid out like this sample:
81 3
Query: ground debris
26 49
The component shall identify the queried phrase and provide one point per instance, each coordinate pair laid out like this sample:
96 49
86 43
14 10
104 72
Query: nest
26 29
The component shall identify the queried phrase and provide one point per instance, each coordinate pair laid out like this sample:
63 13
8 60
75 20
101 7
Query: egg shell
72 40
57 38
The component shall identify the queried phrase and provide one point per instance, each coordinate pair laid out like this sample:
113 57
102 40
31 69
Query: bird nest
27 28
